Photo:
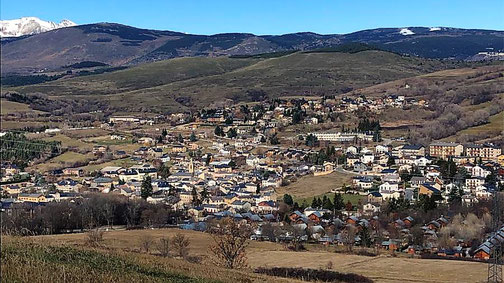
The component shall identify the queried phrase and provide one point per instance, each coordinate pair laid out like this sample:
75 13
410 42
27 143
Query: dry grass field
9 107
309 186
61 161
383 268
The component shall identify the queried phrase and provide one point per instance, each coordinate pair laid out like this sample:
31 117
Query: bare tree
147 243
163 247
180 244
108 211
348 236
298 233
230 240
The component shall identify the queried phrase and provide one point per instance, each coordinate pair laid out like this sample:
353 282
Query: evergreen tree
326 203
311 140
287 199
180 138
338 203
232 133
390 161
219 131
195 198
232 164
426 203
193 137
274 140
164 171
146 190
229 120
204 195
455 196
314 203
295 207
172 191
491 179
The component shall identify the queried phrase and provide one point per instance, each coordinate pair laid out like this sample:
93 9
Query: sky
265 16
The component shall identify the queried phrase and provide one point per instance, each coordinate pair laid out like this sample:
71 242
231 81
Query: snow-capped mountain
29 25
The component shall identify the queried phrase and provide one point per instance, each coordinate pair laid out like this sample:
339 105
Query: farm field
383 268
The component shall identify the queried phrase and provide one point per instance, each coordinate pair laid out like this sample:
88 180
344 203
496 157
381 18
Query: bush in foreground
314 275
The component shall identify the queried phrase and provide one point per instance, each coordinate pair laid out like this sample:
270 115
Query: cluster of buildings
409 171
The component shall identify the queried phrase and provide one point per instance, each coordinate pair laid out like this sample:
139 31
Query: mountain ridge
119 45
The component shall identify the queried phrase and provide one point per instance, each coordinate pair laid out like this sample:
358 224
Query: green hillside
184 83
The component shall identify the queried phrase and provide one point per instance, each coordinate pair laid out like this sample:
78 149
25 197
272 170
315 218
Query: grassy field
61 161
69 142
383 268
9 107
309 186
14 125
354 199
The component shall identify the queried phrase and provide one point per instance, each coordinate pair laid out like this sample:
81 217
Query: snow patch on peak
406 31
29 25
435 29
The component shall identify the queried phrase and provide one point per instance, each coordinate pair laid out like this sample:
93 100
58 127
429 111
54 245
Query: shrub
95 237
313 274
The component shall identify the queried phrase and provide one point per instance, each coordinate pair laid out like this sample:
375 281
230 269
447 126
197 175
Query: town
239 161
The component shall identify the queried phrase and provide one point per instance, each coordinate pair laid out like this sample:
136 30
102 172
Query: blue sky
265 17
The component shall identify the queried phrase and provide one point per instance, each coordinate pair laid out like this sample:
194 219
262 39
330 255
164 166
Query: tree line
95 210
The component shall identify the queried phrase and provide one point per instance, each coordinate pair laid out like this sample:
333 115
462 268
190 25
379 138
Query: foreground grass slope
24 260
126 245
185 83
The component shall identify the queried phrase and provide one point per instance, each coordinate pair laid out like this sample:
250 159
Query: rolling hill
190 83
119 45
